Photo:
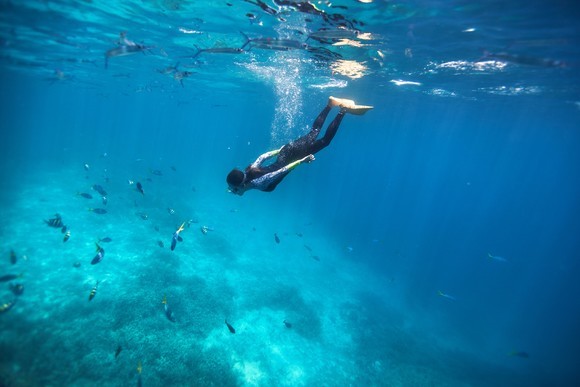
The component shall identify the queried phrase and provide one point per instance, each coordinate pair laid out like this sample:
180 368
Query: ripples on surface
64 41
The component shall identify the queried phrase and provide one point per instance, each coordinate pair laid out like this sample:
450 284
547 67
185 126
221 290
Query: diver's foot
341 102
358 110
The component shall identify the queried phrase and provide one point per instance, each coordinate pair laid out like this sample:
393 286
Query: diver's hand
308 159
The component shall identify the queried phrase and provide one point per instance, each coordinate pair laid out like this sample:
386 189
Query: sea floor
346 325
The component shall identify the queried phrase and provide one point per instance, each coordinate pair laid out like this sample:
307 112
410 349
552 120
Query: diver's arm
269 181
291 166
265 156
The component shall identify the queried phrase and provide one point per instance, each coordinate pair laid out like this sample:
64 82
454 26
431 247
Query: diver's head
235 180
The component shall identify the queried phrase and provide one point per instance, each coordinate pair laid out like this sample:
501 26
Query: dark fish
104 200
308 248
93 291
99 211
7 306
9 277
231 328
140 188
85 195
124 50
161 244
167 309
77 264
64 229
316 258
526 60
55 222
180 75
175 238
331 35
276 44
99 189
142 215
16 289
156 172
287 324
216 50
66 236
276 238
118 351
13 257
139 368
521 354
100 255
106 240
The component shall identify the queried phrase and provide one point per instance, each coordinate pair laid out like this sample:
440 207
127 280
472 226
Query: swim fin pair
349 105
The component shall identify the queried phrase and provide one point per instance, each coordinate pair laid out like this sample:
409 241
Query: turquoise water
382 275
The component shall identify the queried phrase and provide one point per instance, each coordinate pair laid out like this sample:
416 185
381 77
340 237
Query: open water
435 242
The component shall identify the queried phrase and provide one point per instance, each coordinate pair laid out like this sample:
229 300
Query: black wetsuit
294 151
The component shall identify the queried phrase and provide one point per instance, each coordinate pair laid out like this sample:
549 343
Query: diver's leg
330 132
317 125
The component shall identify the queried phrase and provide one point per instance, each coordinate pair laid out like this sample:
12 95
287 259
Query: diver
296 152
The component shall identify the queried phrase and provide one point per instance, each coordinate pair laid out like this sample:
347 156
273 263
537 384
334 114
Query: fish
66 236
521 354
205 229
526 60
444 295
85 195
156 172
7 306
55 222
175 238
94 292
216 50
287 324
160 244
316 258
326 35
13 257
16 289
139 188
276 238
231 328
104 200
181 75
496 258
276 44
124 50
139 369
9 277
118 351
105 240
167 309
100 255
99 189
77 264
99 211
142 215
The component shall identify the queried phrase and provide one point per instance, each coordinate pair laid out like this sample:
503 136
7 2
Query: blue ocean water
435 242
